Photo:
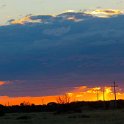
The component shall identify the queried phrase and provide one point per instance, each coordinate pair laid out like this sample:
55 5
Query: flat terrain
87 117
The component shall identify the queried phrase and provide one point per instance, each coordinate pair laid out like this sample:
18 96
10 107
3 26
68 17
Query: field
87 117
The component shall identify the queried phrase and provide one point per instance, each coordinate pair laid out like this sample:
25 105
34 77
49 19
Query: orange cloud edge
81 93
102 13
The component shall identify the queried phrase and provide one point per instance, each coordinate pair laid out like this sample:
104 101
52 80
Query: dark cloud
59 51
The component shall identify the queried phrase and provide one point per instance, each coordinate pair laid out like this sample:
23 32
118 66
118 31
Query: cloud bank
71 48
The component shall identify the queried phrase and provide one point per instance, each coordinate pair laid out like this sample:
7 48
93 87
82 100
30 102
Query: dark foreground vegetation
73 107
68 113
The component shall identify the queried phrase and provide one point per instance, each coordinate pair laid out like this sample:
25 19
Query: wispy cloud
105 13
2 83
26 19
69 15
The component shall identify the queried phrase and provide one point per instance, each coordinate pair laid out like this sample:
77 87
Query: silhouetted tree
65 99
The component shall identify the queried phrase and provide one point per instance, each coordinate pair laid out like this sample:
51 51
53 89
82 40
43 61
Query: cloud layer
61 50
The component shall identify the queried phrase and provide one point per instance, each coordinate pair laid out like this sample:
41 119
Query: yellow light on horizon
82 93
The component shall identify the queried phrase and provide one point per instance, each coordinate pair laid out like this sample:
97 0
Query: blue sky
17 8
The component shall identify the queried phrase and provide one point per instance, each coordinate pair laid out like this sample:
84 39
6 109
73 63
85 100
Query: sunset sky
49 48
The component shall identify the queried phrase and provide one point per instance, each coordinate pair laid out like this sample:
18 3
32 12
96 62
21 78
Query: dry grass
87 117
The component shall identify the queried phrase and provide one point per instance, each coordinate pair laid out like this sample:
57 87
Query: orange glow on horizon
82 93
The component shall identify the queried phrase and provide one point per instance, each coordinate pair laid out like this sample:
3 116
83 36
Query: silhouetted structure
115 97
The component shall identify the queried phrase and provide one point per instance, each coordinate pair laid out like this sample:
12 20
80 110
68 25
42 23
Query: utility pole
103 93
42 99
96 90
104 103
97 93
115 97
